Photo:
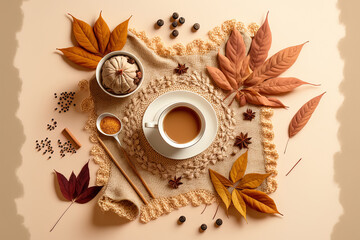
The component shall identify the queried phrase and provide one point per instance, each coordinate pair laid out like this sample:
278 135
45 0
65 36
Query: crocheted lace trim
269 148
160 206
198 46
159 165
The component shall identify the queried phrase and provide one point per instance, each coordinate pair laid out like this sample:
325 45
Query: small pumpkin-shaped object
119 74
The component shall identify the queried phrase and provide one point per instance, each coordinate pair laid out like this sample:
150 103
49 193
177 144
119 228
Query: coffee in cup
180 124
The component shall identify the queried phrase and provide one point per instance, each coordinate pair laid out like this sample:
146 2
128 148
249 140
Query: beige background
318 198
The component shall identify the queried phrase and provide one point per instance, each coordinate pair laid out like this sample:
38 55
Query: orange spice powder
110 125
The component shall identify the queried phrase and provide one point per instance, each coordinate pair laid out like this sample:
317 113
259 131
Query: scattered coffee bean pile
45 145
175 22
65 101
51 126
66 147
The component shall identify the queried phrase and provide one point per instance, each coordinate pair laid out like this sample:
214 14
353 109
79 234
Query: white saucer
154 138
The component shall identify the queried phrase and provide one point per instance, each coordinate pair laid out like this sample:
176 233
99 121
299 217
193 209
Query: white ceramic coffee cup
159 124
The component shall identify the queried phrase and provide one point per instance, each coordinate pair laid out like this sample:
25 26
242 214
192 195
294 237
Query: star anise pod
175 182
242 141
181 69
249 115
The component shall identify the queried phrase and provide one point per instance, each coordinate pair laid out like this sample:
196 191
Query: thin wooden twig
122 171
137 173
61 216
216 211
286 145
293 167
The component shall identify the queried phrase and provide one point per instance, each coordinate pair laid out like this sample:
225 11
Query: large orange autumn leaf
250 78
94 42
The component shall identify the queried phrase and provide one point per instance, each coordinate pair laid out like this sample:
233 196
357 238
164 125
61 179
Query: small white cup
159 125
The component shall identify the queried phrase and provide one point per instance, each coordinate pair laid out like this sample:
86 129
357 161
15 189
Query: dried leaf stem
217 209
293 167
61 216
204 209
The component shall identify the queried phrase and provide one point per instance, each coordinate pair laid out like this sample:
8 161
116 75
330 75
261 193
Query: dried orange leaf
274 102
224 181
118 37
275 65
84 35
238 202
218 182
255 98
219 78
81 57
302 116
260 45
228 68
235 49
241 99
252 180
102 33
239 167
279 85
244 71
259 201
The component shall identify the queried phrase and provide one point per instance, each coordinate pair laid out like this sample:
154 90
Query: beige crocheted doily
190 168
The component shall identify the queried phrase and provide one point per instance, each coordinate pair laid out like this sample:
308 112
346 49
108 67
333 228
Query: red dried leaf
279 85
82 180
64 185
219 78
88 194
275 65
260 45
228 68
72 185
